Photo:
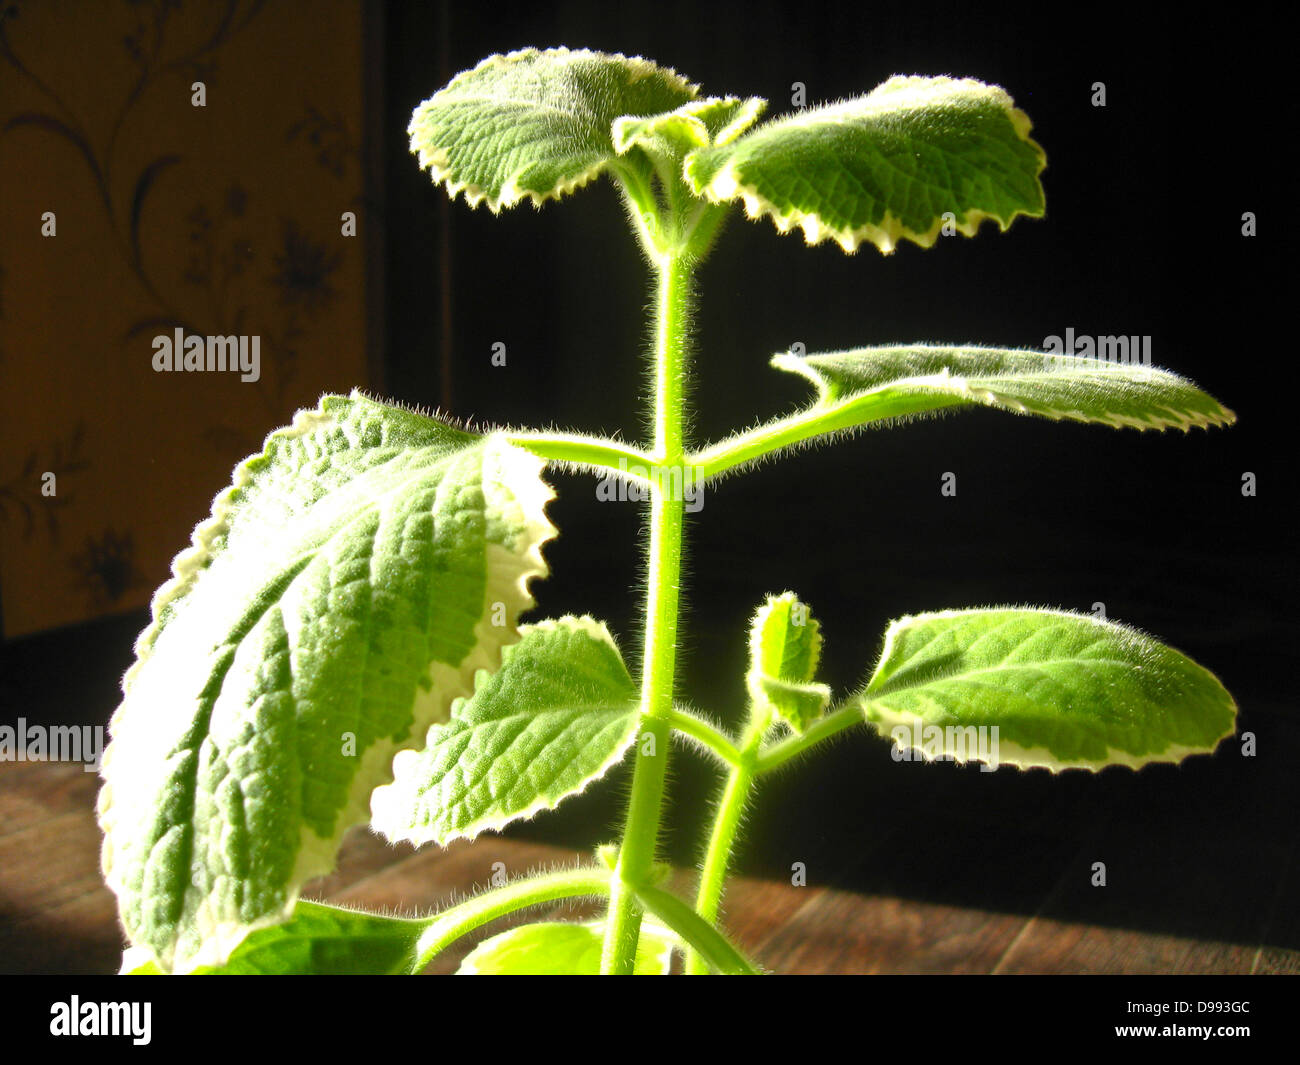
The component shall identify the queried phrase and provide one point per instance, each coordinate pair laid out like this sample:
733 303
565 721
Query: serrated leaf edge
983 390
186 567
191 561
435 160
745 117
493 823
508 576
755 677
726 185
883 720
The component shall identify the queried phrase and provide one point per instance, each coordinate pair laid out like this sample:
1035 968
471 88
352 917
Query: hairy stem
705 941
664 561
586 452
460 920
717 857
706 735
780 753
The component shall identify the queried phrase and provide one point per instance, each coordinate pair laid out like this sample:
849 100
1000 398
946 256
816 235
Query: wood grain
56 916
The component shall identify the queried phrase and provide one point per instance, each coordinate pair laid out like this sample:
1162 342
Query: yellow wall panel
222 220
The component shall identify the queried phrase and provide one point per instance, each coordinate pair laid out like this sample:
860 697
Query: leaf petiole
712 739
777 754
721 842
583 452
701 936
447 927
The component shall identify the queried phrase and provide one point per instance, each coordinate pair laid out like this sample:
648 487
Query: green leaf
318 940
887 382
700 123
341 596
1062 690
886 166
555 949
857 388
785 647
536 124
557 715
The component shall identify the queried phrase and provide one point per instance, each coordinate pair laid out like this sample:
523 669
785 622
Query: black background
1142 236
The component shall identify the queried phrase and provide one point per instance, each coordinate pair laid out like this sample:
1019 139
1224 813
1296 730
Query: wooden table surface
56 915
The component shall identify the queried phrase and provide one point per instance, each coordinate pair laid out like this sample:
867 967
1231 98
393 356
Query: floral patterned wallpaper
168 170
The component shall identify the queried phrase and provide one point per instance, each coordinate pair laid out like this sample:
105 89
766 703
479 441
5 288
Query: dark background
1142 236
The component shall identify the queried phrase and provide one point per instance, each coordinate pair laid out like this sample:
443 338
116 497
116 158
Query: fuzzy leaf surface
557 715
334 605
873 383
895 383
700 123
318 940
1064 690
785 646
536 124
895 164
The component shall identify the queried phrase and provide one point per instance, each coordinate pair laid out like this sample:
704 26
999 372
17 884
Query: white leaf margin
893 95
509 573
436 160
387 804
983 389
884 720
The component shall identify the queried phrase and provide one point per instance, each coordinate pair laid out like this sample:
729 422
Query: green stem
827 416
752 763
708 737
640 837
586 452
447 927
780 753
717 857
635 182
704 940
757 443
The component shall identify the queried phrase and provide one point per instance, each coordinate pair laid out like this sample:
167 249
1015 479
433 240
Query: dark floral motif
105 567
303 270
216 260
144 42
147 47
22 494
329 136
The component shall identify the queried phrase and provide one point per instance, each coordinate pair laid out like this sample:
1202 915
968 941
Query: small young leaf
558 714
554 949
1063 690
535 124
785 646
345 591
713 120
873 383
886 166
318 940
